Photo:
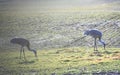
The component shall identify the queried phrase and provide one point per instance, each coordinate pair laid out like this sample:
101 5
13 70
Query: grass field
52 31
56 29
61 61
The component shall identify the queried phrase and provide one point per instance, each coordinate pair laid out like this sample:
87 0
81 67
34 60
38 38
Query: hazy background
56 23
55 29
38 5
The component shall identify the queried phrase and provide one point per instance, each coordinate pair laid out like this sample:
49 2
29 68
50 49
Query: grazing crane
95 34
23 42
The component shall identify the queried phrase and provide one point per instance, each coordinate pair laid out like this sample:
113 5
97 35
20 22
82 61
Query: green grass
56 28
60 61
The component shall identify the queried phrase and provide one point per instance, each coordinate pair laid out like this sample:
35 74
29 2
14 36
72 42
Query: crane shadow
100 54
107 52
27 61
96 54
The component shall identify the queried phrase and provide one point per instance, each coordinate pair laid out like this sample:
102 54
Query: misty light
41 4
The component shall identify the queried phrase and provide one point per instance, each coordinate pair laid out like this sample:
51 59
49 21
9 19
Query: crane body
95 34
23 43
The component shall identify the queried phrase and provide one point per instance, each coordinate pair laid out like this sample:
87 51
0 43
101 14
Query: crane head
86 32
35 52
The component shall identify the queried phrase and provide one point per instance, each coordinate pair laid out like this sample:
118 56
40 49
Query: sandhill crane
95 34
23 42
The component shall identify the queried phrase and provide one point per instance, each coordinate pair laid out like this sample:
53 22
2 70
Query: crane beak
35 54
104 46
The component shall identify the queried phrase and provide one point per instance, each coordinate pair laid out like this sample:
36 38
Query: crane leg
21 51
95 45
24 54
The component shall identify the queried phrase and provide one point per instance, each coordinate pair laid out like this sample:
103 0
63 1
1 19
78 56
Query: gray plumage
95 34
23 42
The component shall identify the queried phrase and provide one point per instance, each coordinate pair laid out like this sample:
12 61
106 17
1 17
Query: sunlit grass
46 26
61 61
